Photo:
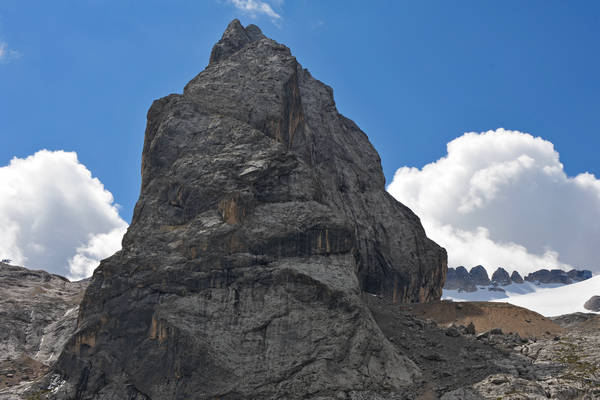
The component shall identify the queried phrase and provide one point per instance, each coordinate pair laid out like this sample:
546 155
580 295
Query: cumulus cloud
7 54
56 216
502 198
256 7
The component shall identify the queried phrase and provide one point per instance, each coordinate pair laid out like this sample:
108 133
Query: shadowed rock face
501 277
515 277
558 276
262 216
459 279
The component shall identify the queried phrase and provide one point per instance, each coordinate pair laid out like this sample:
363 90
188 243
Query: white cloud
7 54
55 216
255 7
502 198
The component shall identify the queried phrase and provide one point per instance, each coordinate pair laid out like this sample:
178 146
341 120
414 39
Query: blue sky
80 75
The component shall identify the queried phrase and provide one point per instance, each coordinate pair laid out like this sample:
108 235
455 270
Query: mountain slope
38 314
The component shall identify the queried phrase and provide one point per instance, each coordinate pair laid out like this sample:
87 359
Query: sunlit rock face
262 217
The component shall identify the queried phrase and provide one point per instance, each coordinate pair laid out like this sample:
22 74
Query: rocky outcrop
593 304
546 276
38 314
515 277
262 217
579 275
479 276
501 277
558 276
459 279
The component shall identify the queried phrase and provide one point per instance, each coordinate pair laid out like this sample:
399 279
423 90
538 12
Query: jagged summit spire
234 38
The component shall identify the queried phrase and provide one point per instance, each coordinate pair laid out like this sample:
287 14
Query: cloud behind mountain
56 216
502 198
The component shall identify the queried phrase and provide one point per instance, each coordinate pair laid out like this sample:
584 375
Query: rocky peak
459 279
262 217
479 275
234 38
516 277
501 277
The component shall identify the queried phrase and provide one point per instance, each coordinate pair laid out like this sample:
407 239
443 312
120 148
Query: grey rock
452 331
579 275
462 394
501 277
38 314
479 276
459 279
546 276
262 217
515 277
496 331
593 303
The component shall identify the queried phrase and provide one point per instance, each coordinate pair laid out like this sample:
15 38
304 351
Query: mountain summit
262 217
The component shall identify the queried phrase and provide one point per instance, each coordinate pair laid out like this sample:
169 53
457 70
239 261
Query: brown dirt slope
486 316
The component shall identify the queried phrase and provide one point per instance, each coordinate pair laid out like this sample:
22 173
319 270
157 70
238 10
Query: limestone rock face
38 314
262 217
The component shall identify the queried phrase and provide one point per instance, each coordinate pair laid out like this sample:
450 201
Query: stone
479 276
593 304
262 217
452 331
515 277
501 277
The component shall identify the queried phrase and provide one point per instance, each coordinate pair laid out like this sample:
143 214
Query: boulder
593 304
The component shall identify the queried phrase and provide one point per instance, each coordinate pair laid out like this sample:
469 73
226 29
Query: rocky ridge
470 281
